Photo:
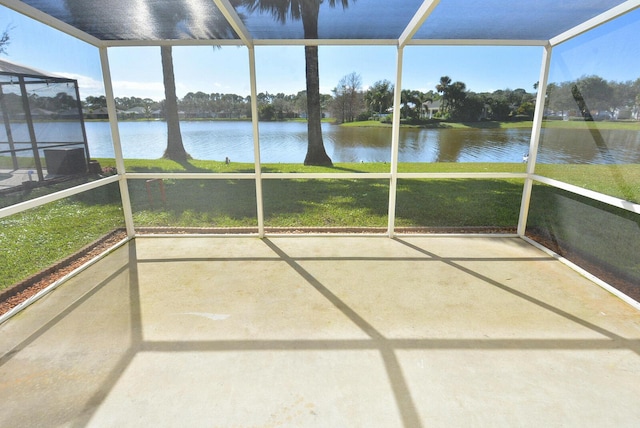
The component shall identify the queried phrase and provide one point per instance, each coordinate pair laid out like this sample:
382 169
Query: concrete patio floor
323 332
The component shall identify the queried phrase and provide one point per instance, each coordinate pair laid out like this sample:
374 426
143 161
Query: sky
136 71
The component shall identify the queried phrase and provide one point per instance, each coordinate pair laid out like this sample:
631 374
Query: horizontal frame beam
590 194
609 200
325 42
476 42
324 176
42 200
191 175
173 42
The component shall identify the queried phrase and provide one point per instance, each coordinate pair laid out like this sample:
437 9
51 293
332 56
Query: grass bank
526 124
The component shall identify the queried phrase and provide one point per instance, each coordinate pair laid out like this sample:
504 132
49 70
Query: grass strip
37 238
631 125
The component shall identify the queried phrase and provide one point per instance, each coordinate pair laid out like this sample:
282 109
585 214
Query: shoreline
623 125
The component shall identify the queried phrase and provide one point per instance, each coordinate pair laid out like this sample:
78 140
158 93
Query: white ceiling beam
604 17
49 20
325 42
234 20
174 42
255 42
418 19
476 42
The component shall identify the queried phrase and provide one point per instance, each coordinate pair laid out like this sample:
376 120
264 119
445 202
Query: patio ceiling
382 22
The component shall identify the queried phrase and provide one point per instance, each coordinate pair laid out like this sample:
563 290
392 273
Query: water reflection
287 142
359 144
484 145
589 146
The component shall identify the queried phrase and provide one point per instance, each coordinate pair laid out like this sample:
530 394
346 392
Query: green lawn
622 181
39 237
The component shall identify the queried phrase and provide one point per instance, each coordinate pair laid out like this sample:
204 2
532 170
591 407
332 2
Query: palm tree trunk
175 149
316 154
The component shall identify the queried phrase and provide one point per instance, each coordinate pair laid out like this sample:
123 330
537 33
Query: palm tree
456 95
175 149
443 88
379 97
173 15
410 97
307 11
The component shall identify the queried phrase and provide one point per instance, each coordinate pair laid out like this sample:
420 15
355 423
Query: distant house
133 113
430 108
99 113
40 113
70 114
159 114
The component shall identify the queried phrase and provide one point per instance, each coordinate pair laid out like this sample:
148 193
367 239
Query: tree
5 39
175 148
518 96
470 108
95 103
443 89
411 104
301 103
424 98
560 97
307 11
347 103
196 104
176 13
623 98
456 95
592 93
379 97
453 95
499 106
266 112
527 108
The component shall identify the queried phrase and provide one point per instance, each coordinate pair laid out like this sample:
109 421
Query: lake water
287 142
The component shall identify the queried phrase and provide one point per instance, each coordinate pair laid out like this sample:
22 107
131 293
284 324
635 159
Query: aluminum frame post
117 146
535 140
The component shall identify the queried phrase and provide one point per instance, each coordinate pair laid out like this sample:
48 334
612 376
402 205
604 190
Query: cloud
90 86
126 88
87 85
